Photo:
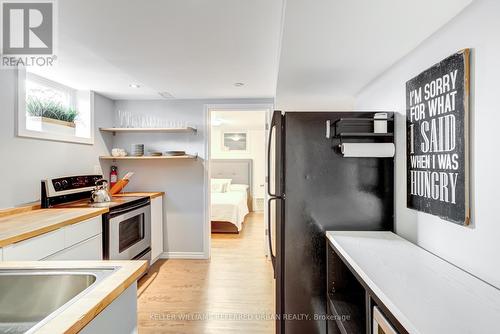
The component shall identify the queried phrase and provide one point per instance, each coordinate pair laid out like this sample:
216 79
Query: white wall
473 248
256 146
24 161
181 180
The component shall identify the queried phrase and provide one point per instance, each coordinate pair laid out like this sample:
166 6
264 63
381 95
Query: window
43 89
50 110
49 105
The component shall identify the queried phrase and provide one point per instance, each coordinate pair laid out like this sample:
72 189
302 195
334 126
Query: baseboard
152 261
183 255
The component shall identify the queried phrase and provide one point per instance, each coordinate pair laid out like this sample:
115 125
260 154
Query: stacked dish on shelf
137 150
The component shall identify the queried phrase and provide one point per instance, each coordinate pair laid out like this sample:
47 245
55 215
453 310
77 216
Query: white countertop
425 293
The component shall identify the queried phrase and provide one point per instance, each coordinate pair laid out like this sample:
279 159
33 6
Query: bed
229 206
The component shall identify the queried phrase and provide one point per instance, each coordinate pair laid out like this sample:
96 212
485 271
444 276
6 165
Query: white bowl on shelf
118 152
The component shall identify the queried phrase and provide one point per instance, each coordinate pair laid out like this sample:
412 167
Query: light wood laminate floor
231 293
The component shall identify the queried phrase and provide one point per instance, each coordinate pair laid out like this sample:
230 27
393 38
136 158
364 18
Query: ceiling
188 48
325 50
331 49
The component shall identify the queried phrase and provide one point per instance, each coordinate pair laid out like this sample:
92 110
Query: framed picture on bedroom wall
235 141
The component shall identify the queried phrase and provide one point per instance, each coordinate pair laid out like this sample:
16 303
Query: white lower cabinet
36 248
120 317
81 241
90 249
156 228
76 233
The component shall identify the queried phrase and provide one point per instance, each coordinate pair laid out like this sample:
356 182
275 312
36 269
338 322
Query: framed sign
437 152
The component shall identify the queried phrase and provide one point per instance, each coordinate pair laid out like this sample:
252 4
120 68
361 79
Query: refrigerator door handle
269 143
269 232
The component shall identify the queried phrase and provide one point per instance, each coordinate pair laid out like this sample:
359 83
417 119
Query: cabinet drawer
88 250
76 233
36 248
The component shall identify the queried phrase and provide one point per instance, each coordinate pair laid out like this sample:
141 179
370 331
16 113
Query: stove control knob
64 184
57 186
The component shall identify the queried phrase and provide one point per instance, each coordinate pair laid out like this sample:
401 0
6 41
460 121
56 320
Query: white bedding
230 207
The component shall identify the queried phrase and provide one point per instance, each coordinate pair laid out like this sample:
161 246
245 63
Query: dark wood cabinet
349 301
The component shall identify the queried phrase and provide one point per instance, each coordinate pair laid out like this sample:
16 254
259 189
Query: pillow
238 187
219 185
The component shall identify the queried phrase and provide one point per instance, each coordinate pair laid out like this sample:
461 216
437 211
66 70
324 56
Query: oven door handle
143 229
116 212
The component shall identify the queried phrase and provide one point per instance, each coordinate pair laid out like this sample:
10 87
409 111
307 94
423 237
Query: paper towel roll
380 122
376 150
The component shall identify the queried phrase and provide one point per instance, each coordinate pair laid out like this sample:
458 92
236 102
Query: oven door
130 233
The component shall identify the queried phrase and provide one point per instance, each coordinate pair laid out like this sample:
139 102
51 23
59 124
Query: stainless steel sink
30 298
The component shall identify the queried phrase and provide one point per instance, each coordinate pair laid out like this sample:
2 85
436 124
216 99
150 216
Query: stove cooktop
115 202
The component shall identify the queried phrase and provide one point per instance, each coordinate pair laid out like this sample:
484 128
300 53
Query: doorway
236 176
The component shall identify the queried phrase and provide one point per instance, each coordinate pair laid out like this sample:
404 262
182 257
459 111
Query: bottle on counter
113 176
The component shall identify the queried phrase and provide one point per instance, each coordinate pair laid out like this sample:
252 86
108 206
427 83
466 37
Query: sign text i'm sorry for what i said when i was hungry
437 112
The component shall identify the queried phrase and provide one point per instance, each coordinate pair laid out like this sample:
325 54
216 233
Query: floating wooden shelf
139 130
148 157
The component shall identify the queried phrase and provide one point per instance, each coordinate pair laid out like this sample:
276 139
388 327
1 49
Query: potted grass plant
50 116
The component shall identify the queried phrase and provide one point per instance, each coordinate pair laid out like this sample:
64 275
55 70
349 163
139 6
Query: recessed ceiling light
238 84
134 85
166 95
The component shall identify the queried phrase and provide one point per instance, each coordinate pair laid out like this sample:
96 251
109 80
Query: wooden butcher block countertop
29 224
150 194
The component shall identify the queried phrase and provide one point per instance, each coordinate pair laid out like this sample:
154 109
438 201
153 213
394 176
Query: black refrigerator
312 188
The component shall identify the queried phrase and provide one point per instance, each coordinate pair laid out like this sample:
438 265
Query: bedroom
237 174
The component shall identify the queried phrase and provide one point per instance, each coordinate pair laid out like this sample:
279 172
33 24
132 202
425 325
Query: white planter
44 124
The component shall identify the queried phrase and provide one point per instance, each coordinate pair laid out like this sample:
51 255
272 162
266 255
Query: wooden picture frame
437 121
